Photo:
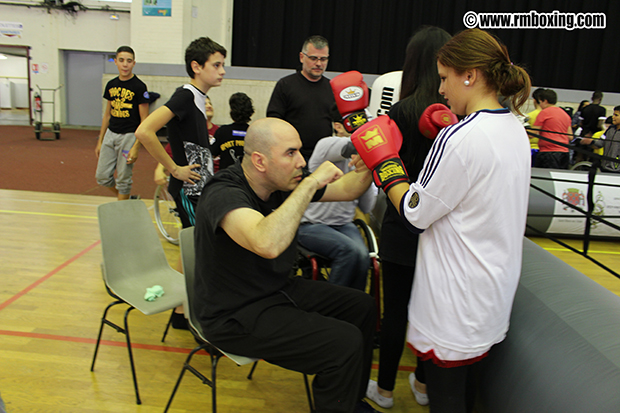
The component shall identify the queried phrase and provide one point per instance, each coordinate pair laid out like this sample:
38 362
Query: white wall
164 39
48 33
155 39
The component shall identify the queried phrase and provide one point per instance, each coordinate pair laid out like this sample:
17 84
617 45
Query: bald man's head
264 133
272 160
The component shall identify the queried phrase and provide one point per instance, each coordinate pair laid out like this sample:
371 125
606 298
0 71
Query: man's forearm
269 236
279 227
348 188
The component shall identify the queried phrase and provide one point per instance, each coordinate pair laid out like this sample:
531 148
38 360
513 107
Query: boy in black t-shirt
127 105
191 164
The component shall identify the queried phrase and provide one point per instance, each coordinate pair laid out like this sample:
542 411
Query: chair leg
187 366
168 326
176 387
308 392
215 357
310 402
133 369
104 321
252 370
214 360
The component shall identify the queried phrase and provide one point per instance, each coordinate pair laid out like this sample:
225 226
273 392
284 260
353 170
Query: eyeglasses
313 59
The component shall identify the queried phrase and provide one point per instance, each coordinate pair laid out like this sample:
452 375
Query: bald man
246 244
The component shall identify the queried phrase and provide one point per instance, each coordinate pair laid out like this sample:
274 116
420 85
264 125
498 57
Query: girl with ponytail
470 204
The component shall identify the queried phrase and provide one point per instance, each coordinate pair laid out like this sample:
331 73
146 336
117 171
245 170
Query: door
84 92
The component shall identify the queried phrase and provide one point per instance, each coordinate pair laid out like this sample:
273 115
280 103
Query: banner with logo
606 203
162 8
11 29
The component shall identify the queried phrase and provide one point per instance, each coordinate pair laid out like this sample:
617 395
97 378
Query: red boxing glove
378 143
435 118
351 94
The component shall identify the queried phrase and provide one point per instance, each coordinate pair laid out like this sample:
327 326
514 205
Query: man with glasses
304 98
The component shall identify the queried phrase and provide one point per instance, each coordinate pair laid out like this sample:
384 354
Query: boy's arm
147 135
104 126
135 149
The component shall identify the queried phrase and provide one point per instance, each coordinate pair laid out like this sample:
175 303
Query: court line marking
134 346
50 202
49 214
589 251
47 276
94 341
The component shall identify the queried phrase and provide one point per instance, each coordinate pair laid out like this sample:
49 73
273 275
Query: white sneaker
373 394
421 398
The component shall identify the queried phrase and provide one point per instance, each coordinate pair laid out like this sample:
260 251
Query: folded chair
134 260
188 254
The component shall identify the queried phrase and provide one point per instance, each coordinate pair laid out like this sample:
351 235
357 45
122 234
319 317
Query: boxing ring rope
588 213
571 146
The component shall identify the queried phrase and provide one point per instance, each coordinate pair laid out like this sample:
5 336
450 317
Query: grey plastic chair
134 260
188 254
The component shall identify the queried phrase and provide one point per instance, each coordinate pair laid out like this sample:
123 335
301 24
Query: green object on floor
153 293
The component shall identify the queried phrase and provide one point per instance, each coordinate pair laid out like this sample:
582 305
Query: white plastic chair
134 260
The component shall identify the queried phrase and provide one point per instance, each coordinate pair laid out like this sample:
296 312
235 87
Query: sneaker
134 197
421 398
373 394
363 407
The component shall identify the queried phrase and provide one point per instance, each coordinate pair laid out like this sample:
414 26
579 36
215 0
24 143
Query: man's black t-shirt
232 281
306 105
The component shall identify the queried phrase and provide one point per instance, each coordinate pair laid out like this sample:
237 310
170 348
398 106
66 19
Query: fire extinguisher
37 102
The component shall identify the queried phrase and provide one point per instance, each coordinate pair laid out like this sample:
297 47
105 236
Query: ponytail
477 49
514 82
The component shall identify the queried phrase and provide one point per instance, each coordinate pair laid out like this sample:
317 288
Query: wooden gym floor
51 301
